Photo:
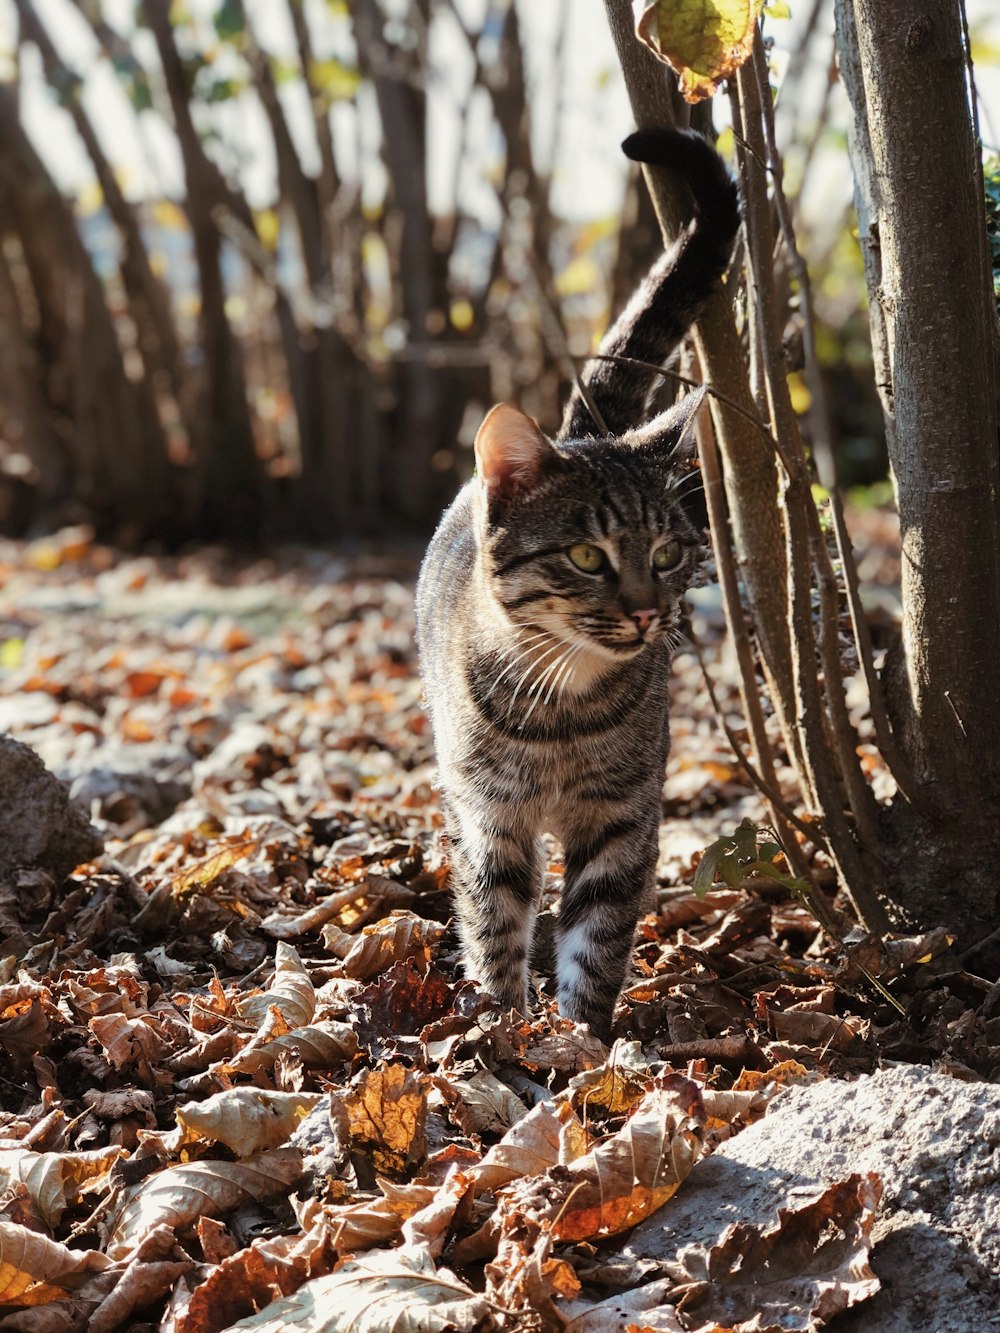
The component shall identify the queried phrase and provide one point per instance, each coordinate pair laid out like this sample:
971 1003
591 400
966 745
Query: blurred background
264 264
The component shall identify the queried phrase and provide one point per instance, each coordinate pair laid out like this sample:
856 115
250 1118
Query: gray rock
935 1143
39 827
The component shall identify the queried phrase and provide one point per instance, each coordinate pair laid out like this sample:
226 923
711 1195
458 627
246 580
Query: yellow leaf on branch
703 41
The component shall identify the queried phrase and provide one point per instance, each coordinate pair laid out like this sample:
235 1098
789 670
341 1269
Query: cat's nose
644 619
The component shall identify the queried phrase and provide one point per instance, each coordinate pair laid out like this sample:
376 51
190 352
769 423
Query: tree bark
92 404
230 473
403 112
924 235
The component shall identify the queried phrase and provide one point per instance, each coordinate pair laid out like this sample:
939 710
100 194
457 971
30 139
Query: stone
40 828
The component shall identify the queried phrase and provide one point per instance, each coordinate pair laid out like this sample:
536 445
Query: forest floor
243 1082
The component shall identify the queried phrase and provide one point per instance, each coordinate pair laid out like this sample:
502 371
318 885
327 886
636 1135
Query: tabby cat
548 608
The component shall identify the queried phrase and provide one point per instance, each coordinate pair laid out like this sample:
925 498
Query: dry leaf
35 1270
488 1106
703 41
387 1113
617 1085
131 1042
794 1274
291 991
376 1221
53 1180
211 867
399 935
180 1194
247 1120
318 1046
397 1290
547 1135
647 1309
623 1179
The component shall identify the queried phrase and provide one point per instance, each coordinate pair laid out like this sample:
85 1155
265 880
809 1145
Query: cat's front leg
610 868
496 871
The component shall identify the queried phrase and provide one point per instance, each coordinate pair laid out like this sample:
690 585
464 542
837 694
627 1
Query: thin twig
814 832
823 452
694 384
820 749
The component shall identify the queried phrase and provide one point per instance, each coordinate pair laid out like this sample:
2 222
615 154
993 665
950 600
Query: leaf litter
244 1084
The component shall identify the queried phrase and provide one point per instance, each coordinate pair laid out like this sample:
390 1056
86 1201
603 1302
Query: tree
927 857
310 381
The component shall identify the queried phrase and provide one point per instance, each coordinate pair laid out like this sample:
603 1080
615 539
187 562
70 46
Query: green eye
668 556
586 557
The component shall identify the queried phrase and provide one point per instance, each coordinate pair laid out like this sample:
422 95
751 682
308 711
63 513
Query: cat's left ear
512 454
672 432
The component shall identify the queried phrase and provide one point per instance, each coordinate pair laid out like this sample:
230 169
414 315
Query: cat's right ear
512 455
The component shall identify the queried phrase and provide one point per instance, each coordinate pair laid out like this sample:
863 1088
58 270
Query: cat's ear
680 421
512 454
672 432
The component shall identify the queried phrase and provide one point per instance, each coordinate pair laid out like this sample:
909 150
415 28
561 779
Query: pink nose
644 618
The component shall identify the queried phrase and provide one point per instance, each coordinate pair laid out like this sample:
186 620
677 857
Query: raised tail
673 292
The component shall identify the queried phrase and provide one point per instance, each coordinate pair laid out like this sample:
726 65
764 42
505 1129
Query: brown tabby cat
548 607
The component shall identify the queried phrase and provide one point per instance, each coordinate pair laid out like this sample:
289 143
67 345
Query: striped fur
547 685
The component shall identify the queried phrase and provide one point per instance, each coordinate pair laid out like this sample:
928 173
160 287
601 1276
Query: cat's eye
589 559
668 556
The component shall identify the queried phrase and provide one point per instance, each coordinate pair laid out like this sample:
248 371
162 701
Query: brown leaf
387 1114
623 1179
318 1046
399 935
131 1042
547 1135
617 1085
54 1180
399 1004
376 1221
179 1195
211 867
794 1274
35 1270
246 1120
291 991
399 1290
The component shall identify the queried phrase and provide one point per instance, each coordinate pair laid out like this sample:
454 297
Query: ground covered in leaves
243 1084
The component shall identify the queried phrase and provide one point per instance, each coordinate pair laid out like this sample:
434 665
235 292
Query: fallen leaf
291 991
35 1270
246 1120
179 1195
794 1274
399 1290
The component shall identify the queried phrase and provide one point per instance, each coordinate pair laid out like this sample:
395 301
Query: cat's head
593 541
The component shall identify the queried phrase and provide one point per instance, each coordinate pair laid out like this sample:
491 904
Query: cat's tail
673 293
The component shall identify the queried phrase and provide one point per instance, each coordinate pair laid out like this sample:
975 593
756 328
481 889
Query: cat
548 607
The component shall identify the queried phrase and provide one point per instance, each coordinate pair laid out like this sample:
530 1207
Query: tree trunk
923 229
91 402
229 471
403 112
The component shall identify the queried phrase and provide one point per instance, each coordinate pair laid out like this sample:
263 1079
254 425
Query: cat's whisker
545 653
567 662
535 693
526 650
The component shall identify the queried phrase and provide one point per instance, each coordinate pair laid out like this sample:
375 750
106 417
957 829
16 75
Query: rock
41 828
935 1143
